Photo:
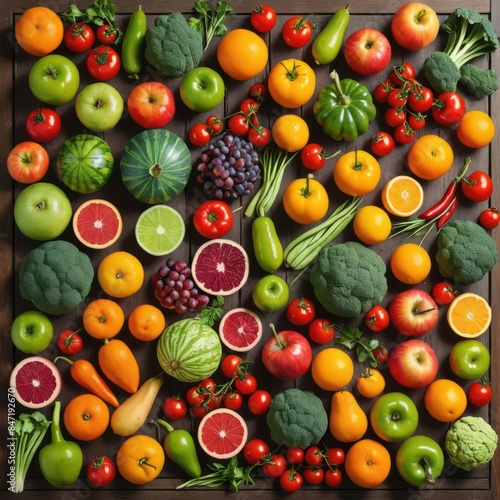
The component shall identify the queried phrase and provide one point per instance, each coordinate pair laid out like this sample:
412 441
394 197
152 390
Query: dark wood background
16 101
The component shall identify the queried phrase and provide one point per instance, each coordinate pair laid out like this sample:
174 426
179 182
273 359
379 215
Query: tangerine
86 417
410 263
290 132
103 318
476 129
445 400
367 463
146 322
332 369
120 274
372 225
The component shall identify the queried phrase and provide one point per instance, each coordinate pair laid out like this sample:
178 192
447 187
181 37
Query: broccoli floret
465 252
348 278
470 443
297 418
172 46
441 72
56 277
480 83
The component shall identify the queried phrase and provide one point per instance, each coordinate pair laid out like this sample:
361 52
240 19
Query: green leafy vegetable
210 22
352 338
210 314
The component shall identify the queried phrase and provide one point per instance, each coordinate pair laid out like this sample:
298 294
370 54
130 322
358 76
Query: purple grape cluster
228 167
175 289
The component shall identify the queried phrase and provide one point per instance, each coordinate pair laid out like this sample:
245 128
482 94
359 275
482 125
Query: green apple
394 417
271 293
99 106
202 89
469 359
54 79
42 211
420 460
32 332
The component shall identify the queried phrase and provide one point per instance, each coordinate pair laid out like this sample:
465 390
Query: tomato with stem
79 37
382 143
246 385
70 342
301 311
291 480
103 63
229 365
321 331
106 34
101 471
43 124
480 393
443 293
213 218
263 18
297 31
174 407
313 475
489 218
233 400
377 318
199 134
313 156
477 187
274 466
255 450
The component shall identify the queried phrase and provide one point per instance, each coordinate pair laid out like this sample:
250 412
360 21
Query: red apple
413 364
367 51
287 355
151 104
414 26
413 312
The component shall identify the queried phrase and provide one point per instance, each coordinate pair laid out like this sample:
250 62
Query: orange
332 369
410 263
469 315
120 274
445 400
103 318
146 322
370 383
476 129
290 132
402 195
242 54
86 417
430 157
367 463
372 225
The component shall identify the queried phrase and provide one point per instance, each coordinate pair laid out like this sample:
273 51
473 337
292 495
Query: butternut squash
348 421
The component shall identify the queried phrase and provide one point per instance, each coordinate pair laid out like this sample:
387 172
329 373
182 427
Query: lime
159 230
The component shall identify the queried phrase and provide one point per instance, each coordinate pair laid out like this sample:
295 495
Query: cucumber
133 58
326 46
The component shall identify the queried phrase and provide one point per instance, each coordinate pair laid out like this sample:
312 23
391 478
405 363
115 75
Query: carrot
85 374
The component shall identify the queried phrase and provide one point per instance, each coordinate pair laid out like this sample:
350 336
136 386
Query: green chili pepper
266 244
133 47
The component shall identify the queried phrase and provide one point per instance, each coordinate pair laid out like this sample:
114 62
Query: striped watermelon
85 163
155 166
189 350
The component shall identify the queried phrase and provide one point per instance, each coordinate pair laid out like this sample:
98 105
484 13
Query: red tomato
416 121
193 396
313 475
382 143
259 136
402 73
213 402
103 63
321 331
300 312
480 393
421 99
394 117
43 124
198 411
174 408
207 387
381 354
263 18
291 480
257 91
294 455
28 162
249 106
313 156
106 34
333 477
448 108
238 124
477 187
255 450
101 471
297 31
199 134
247 385
397 98
79 37
443 293
313 456
377 319
70 342
404 134
229 365
335 456
489 218
274 466
213 218
381 92
233 400
259 402
215 124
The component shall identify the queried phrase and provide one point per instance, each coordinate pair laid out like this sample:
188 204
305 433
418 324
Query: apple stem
279 342
395 416
416 311
425 465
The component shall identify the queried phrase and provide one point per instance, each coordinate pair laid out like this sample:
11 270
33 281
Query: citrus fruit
103 318
290 132
220 267
222 433
86 417
476 129
372 225
402 196
146 322
159 230
36 382
430 157
120 274
97 223
469 315
370 383
240 329
332 369
445 400
410 263
242 54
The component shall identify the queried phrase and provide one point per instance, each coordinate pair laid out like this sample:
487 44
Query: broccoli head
297 418
480 83
470 443
348 278
56 277
441 72
465 252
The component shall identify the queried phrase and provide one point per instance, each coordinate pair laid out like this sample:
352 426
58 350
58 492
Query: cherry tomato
43 124
207 387
321 331
313 156
215 124
313 456
382 143
79 37
199 134
258 91
294 455
404 134
291 480
229 365
213 218
477 187
249 106
255 450
101 471
233 400
377 318
300 312
480 393
263 18
198 411
174 408
247 385
335 456
448 108
397 98
213 401
421 99
193 396
381 354
106 34
259 136
489 218
443 293
402 73
259 402
394 117
416 120
70 342
333 477
238 124
313 475
381 91
274 466
103 63
297 31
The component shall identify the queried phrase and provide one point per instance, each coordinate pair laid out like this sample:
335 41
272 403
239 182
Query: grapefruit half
240 329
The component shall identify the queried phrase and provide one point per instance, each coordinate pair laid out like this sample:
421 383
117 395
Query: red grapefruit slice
220 267
97 223
222 433
240 329
36 382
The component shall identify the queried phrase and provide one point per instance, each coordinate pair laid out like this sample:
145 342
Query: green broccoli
348 278
297 418
56 277
465 252
172 46
470 35
470 443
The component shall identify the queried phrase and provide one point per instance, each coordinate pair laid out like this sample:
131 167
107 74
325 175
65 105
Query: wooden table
17 101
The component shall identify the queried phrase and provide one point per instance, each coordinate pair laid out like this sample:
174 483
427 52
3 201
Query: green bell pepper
344 108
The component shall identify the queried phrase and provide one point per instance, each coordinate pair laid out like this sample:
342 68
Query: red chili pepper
448 213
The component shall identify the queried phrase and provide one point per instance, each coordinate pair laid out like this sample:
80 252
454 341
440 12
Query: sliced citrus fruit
222 433
97 223
402 195
240 329
159 230
469 315
36 382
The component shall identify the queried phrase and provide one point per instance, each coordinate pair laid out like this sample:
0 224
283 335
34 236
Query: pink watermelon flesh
241 329
97 224
35 383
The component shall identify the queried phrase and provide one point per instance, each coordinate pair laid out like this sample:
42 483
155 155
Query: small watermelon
189 351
